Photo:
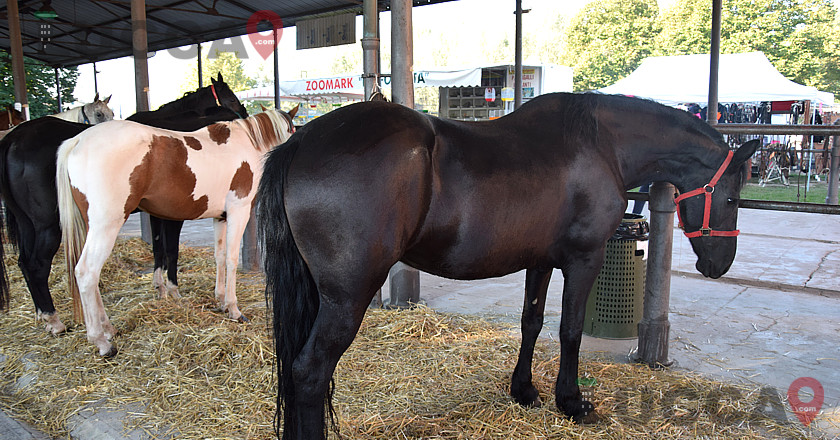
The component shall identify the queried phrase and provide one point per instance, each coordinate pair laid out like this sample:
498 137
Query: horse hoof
527 397
110 353
243 319
583 413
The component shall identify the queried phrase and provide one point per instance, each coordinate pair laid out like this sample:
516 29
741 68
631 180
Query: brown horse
10 118
370 184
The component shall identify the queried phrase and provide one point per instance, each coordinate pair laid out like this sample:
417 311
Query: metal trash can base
615 303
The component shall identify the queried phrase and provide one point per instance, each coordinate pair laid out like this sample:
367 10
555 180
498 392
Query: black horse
27 186
370 184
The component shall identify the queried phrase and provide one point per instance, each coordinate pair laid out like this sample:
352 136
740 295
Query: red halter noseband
707 189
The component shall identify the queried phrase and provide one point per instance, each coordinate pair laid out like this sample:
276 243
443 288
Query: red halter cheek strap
706 189
215 96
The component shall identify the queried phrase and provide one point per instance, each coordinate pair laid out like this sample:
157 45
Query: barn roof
95 30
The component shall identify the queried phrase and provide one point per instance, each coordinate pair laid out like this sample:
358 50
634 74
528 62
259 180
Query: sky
466 21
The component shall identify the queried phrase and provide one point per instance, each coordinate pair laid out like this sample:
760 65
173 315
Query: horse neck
648 152
72 115
263 130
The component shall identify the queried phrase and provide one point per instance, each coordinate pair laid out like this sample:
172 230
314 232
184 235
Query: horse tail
74 229
6 219
290 288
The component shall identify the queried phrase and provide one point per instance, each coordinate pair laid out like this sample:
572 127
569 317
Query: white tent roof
742 77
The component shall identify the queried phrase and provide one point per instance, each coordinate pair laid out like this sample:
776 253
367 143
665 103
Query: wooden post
405 280
141 81
18 72
655 326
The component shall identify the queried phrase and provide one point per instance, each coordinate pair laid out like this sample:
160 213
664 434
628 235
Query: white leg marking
54 324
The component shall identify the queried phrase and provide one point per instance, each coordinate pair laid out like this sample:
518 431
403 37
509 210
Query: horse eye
731 200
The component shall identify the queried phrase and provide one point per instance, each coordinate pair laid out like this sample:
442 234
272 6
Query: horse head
709 213
226 98
98 111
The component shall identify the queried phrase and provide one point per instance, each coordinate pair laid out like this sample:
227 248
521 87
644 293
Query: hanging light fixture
46 12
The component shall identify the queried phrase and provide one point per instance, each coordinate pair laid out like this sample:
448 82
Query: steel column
833 166
18 71
140 45
517 54
405 281
200 73
655 327
714 63
57 89
276 69
370 47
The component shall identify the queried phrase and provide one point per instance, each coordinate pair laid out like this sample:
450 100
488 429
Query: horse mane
265 130
185 102
675 116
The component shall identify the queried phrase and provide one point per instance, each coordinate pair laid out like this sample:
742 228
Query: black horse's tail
7 219
290 289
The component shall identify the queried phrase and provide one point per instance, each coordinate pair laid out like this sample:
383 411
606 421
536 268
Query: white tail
74 229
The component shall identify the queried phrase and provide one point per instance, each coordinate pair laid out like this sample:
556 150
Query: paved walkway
773 318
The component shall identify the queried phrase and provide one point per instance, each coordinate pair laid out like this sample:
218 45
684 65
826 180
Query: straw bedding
185 372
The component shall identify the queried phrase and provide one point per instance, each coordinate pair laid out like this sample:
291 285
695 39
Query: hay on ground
183 371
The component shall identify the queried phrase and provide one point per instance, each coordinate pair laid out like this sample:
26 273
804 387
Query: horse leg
335 327
165 234
36 251
536 286
237 220
579 275
220 235
98 246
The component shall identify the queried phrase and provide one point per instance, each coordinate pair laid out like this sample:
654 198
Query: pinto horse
27 186
92 113
371 184
108 171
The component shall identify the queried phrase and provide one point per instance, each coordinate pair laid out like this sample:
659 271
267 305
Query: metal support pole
18 71
833 167
276 71
57 90
655 327
517 67
200 72
140 47
405 281
714 64
370 46
95 80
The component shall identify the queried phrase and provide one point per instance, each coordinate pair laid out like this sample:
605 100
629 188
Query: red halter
213 89
707 189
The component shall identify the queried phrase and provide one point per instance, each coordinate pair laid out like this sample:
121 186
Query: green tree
798 36
226 63
40 85
608 39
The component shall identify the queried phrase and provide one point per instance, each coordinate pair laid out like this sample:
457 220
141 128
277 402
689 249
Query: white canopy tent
743 77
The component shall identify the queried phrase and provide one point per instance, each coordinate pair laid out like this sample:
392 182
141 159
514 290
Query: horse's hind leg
165 239
37 249
536 286
98 246
579 275
335 328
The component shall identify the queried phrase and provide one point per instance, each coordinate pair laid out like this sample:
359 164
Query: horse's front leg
237 221
165 236
579 275
536 286
220 242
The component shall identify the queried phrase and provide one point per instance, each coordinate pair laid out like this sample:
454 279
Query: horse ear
96 98
745 152
107 99
220 77
294 111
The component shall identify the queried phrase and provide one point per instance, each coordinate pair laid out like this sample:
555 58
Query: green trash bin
614 307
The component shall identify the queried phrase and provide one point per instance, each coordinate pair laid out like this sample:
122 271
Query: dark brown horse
368 185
